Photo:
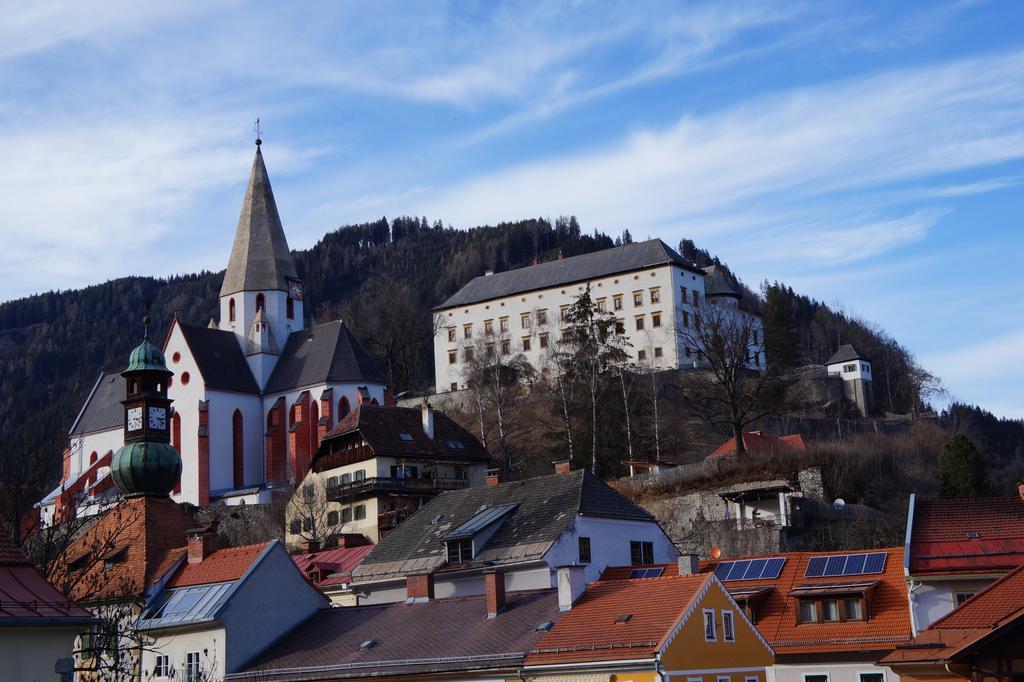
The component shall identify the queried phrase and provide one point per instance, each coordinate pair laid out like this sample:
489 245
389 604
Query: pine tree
962 471
781 343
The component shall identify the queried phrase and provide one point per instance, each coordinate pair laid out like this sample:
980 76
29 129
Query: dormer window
460 551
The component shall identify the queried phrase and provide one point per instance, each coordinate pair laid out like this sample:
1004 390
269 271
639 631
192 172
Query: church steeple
260 259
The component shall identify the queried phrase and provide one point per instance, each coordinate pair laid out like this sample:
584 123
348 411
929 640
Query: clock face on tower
157 418
134 418
295 289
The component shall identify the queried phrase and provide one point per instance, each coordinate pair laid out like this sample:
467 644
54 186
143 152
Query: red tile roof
26 597
993 612
776 612
136 534
335 565
758 443
222 566
590 631
967 536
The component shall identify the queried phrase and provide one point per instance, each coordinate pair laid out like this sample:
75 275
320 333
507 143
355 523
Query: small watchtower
855 371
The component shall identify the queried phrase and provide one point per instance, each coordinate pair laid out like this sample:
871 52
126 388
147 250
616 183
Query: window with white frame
710 635
724 678
871 677
192 667
162 666
751 678
816 677
728 633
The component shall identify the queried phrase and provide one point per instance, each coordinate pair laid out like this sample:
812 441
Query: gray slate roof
846 353
442 635
260 258
546 507
326 352
716 284
220 359
568 270
102 410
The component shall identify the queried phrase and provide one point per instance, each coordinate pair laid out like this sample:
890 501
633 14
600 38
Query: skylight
187 604
405 436
480 521
455 444
545 626
750 569
845 564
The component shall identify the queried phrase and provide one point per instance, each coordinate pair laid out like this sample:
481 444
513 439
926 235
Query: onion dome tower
147 465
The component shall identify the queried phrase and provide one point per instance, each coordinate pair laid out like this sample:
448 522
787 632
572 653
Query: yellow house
649 629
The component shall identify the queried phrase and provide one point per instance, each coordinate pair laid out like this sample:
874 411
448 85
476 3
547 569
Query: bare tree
496 375
729 388
309 514
591 344
565 390
627 380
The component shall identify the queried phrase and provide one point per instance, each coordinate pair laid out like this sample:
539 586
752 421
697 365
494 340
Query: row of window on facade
853 367
192 671
335 517
261 304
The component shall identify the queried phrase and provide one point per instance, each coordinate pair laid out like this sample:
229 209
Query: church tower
261 297
147 465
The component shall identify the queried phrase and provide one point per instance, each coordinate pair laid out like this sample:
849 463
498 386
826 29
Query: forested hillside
382 278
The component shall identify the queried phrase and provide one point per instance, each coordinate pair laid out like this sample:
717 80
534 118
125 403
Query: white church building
253 392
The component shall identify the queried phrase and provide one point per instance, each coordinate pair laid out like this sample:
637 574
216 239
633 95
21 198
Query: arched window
343 408
314 440
92 457
176 442
260 302
231 310
290 308
238 449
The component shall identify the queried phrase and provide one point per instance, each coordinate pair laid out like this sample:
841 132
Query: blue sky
871 155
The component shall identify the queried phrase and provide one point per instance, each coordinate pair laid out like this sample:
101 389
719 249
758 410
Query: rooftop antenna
259 132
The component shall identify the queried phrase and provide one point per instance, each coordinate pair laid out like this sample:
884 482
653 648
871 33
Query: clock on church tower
147 464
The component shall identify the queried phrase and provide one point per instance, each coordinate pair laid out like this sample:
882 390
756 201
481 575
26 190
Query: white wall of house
99 442
609 545
186 399
931 599
245 311
209 642
666 280
836 672
220 411
854 369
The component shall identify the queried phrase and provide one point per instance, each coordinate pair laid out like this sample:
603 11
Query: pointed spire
260 258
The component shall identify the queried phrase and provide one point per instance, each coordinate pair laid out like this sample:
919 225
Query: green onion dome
147 356
148 468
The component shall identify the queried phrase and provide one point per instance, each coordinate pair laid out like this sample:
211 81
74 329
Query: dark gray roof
260 258
716 283
845 353
326 352
102 410
546 507
442 635
568 270
220 359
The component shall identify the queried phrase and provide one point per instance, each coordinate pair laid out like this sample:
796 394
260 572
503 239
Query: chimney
419 588
202 542
493 477
428 419
689 564
1020 490
494 584
563 466
310 546
560 256
572 581
536 260
488 272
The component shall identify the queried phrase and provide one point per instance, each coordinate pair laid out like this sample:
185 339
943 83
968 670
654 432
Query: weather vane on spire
259 133
147 304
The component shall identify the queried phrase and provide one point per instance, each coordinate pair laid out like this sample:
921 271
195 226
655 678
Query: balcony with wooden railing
368 487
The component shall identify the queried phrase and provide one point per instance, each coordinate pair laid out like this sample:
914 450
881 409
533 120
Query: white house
219 608
254 392
528 528
855 371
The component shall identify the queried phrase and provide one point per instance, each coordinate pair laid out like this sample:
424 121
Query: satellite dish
839 504
716 552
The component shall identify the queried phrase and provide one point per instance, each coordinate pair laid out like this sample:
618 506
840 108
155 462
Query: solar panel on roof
815 567
645 573
480 521
750 569
722 569
754 569
875 563
854 564
834 565
772 568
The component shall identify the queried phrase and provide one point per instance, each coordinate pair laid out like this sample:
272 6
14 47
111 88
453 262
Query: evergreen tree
962 471
781 343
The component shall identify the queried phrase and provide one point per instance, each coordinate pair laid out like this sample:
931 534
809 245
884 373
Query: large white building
653 292
253 392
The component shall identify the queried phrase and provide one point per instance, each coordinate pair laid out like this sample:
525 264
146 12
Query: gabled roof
324 353
775 614
220 359
757 443
102 410
144 537
335 565
568 270
260 258
966 536
441 635
381 427
623 619
991 613
223 565
846 353
26 599
546 507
